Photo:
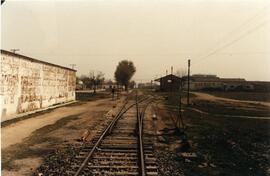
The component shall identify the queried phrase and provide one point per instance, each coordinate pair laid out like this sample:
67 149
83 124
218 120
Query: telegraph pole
188 81
14 50
171 80
72 66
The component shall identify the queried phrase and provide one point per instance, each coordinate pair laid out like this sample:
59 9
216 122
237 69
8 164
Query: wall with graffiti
27 85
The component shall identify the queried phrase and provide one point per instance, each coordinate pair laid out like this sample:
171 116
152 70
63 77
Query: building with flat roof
213 82
28 84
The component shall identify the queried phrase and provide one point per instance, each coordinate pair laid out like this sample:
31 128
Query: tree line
122 75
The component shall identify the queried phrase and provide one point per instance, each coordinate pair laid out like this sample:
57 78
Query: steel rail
105 132
140 116
121 113
99 140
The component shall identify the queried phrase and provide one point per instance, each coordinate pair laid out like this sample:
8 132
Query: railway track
120 148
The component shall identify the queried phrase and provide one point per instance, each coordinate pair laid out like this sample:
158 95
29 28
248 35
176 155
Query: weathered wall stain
27 84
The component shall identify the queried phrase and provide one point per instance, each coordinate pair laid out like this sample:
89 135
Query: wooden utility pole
171 80
188 81
72 66
14 50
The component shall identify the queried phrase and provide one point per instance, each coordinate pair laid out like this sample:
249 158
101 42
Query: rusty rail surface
110 127
140 116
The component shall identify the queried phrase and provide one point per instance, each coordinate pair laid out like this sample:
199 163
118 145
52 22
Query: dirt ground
209 144
209 97
209 104
26 142
154 125
218 145
166 142
243 95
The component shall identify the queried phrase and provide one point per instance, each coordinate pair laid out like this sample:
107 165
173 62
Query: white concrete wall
26 85
201 85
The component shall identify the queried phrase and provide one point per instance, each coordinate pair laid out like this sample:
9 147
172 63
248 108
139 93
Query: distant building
28 84
80 85
234 84
212 82
147 85
261 86
200 82
108 85
169 83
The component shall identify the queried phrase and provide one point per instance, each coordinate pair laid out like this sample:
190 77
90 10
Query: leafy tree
124 72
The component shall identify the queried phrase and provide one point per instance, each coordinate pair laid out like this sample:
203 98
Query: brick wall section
27 84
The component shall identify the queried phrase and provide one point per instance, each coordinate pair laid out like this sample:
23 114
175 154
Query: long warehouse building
28 84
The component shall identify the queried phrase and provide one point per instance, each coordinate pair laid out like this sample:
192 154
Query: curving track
121 148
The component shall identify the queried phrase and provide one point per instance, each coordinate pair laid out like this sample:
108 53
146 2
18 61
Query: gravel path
15 133
26 143
205 96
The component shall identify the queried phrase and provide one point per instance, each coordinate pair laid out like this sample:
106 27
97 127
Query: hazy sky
230 38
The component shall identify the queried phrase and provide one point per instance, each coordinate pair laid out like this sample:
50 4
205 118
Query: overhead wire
239 37
245 23
232 42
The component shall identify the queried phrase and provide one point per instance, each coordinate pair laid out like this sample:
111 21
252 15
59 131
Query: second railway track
121 148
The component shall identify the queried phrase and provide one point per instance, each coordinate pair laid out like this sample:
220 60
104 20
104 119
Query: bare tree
92 81
86 81
96 79
181 72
